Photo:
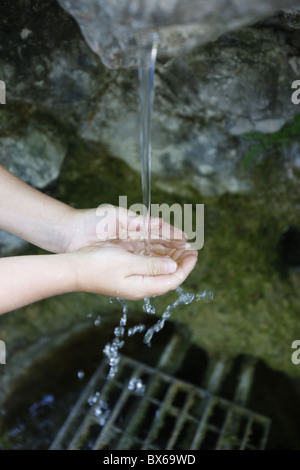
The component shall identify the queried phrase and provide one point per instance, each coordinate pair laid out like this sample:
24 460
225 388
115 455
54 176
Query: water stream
148 44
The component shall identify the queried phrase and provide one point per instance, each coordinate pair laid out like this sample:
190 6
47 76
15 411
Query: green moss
266 142
255 310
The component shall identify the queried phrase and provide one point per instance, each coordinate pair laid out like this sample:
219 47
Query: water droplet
147 307
93 398
137 386
80 374
148 336
97 322
119 331
136 329
208 296
187 299
104 418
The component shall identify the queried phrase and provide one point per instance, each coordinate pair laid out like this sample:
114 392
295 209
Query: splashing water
148 308
183 298
137 386
101 408
136 329
148 44
205 295
111 350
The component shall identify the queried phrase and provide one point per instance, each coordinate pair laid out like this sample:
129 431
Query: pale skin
85 256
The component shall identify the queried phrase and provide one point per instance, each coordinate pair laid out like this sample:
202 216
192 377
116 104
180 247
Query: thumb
153 266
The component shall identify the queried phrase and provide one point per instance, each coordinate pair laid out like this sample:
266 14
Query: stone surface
204 104
109 26
205 101
34 157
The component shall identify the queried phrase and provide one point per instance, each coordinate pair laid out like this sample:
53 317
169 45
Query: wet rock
291 18
205 101
110 26
204 104
35 157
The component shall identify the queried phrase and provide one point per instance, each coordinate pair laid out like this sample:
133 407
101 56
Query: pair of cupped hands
107 249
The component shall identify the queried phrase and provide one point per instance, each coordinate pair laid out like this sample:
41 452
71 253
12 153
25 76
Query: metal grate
171 415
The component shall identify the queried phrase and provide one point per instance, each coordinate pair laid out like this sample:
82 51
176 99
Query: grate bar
180 421
247 432
228 421
267 427
201 427
77 409
138 413
121 401
245 382
89 418
157 422
216 373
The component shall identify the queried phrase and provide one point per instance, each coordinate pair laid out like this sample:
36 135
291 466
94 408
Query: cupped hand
119 268
89 226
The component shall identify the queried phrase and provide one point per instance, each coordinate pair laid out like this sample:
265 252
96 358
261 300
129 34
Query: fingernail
170 266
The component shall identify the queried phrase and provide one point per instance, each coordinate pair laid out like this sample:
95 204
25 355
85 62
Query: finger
158 228
179 255
167 231
157 247
176 244
136 225
131 223
151 266
146 286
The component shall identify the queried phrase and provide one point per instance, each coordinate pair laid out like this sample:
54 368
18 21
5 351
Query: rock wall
205 101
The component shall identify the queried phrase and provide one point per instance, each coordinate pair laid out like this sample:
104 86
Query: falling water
148 44
111 350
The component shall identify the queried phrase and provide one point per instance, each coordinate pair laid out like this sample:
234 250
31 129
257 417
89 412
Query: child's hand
115 268
87 227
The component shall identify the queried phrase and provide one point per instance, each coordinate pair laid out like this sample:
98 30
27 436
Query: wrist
79 229
70 271
67 230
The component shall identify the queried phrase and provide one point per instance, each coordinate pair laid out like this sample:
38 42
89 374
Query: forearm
32 215
27 279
